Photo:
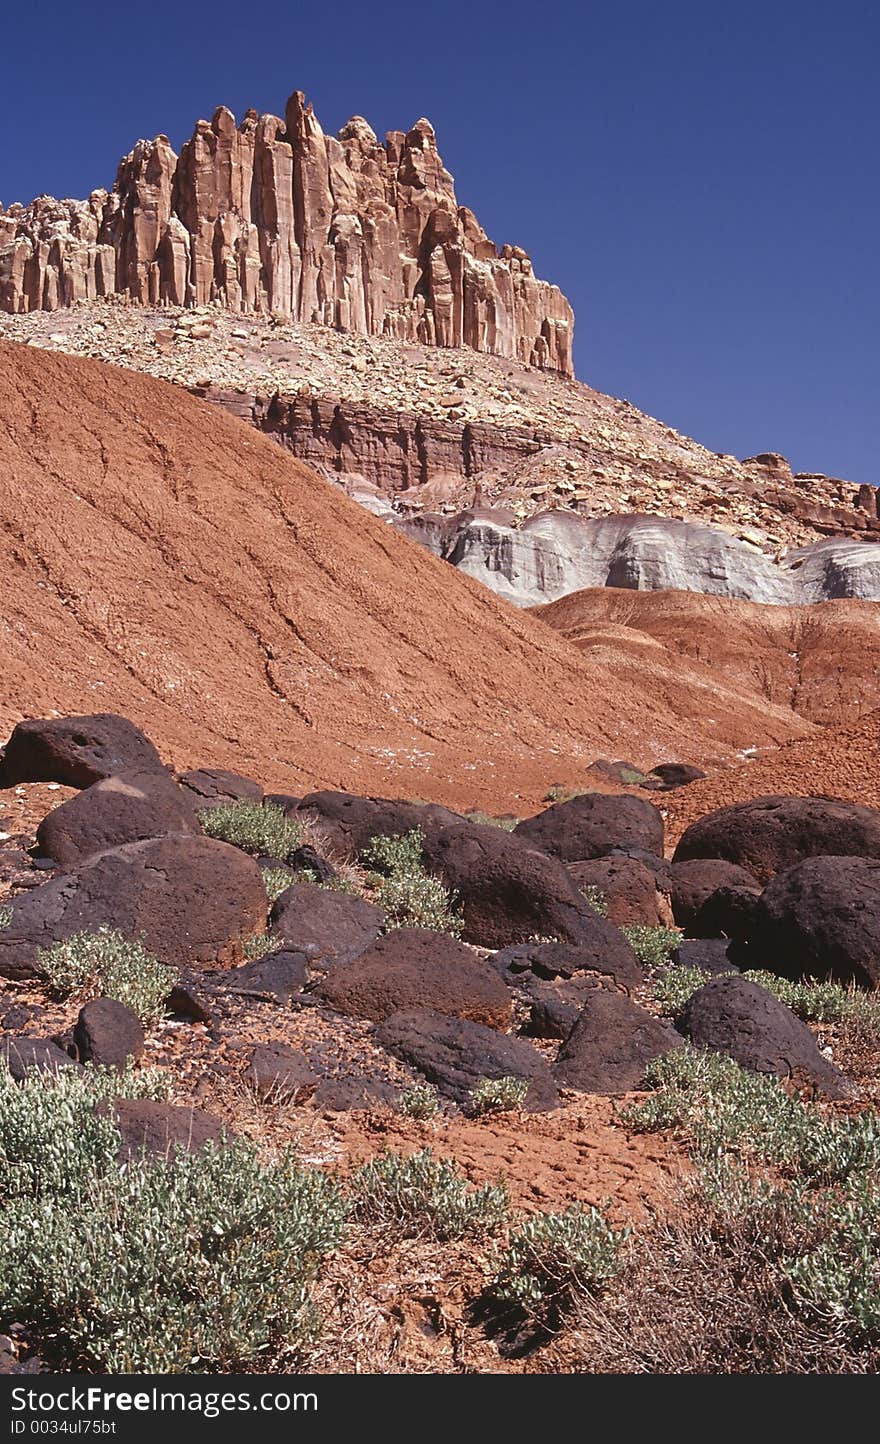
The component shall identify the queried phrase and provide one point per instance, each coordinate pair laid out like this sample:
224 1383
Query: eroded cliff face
273 216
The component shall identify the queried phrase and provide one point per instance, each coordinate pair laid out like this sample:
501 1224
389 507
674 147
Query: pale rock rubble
534 483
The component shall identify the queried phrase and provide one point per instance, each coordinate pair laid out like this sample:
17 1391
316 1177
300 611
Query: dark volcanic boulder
278 977
305 859
282 974
611 1045
332 926
728 912
127 807
770 834
76 751
162 1128
27 1055
349 822
106 1031
413 968
710 955
658 866
355 1092
731 1015
508 892
691 882
670 775
591 825
821 918
455 1055
280 1073
606 952
628 887
189 899
212 786
555 1007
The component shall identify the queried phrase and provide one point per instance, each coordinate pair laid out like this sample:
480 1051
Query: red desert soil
822 662
547 1161
161 559
840 762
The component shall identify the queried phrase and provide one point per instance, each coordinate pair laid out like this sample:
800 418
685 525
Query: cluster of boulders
784 884
791 881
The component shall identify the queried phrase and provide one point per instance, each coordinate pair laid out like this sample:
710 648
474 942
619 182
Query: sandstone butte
274 216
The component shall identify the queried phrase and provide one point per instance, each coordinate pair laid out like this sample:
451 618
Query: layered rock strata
274 216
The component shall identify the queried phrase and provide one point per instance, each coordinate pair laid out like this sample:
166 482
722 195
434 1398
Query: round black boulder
822 919
734 1016
76 751
769 834
349 822
108 1032
611 1045
592 824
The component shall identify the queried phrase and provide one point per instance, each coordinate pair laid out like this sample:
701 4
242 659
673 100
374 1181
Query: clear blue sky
701 179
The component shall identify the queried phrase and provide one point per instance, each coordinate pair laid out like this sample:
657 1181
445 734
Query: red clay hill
162 559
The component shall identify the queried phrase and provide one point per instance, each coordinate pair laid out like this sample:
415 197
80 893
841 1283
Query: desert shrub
398 853
498 1095
675 986
337 883
277 880
53 1140
199 1263
821 1002
423 1196
409 896
259 945
561 792
724 1108
105 963
743 1275
836 1280
631 776
415 900
596 898
486 819
653 946
769 1263
419 1102
260 828
553 1260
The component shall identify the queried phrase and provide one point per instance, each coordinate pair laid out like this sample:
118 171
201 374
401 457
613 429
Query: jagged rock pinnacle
275 216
